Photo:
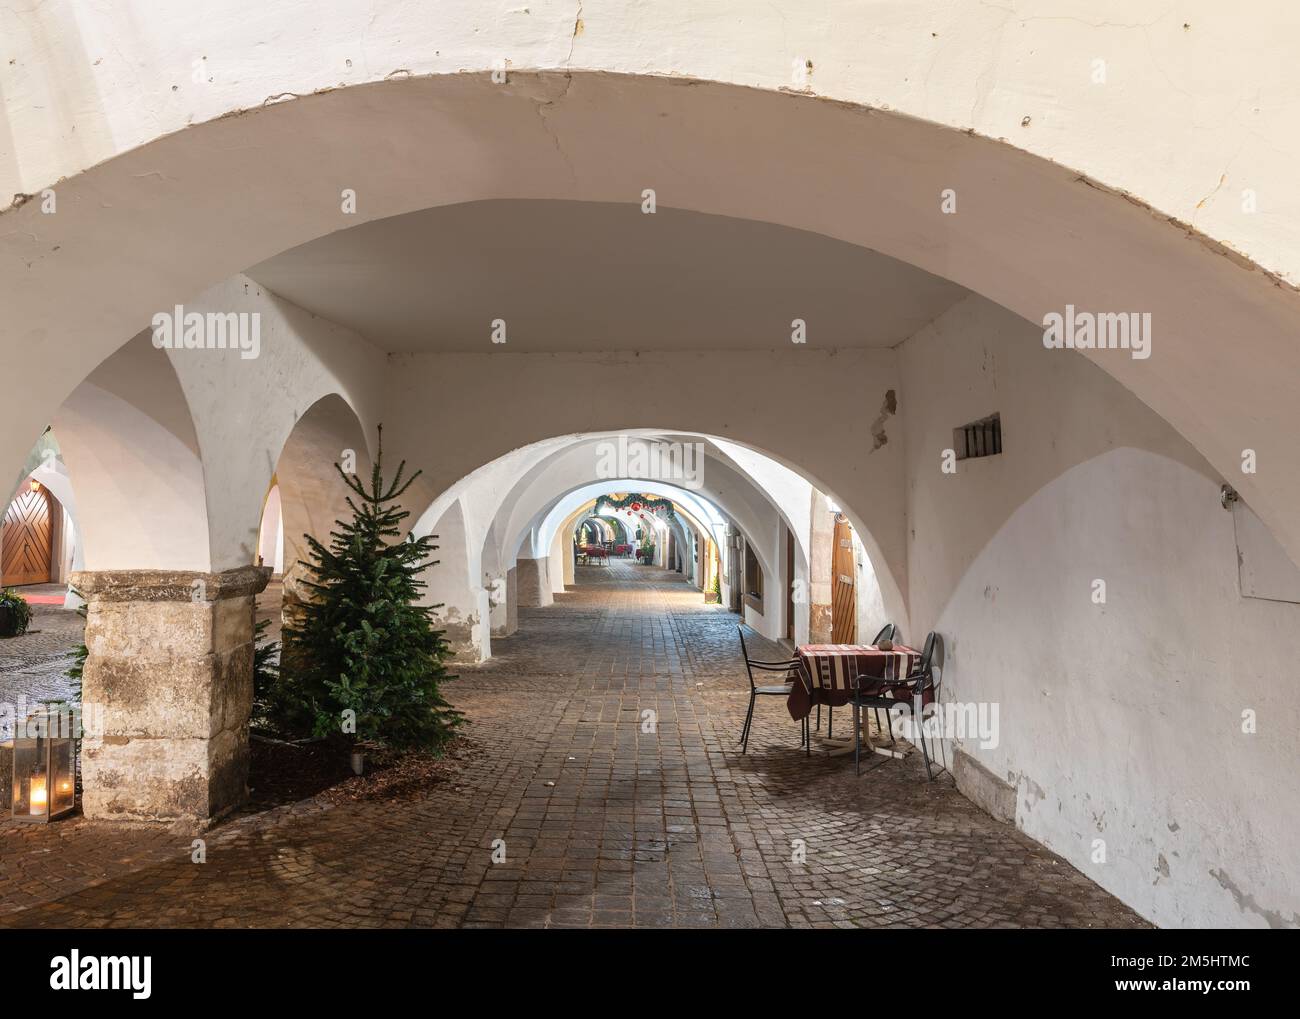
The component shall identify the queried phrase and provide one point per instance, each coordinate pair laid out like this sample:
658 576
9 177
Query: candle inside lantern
38 799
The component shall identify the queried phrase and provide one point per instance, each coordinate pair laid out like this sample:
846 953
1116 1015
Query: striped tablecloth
833 668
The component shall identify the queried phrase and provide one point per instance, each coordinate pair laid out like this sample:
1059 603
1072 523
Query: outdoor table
833 670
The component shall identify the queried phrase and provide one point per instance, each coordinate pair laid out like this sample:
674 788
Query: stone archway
874 181
312 495
530 489
128 437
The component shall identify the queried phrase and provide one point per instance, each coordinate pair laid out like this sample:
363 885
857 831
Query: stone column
171 666
512 601
505 613
821 556
534 582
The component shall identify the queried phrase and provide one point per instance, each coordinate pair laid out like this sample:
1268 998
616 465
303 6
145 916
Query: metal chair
887 632
776 690
915 684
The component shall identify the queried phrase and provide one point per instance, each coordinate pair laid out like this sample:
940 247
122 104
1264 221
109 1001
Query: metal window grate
979 438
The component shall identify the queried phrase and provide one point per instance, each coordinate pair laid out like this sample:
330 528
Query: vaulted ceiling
601 276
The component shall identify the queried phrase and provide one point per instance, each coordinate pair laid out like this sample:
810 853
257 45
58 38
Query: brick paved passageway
601 823
34 667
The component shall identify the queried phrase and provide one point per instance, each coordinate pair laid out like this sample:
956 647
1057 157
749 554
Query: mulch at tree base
281 773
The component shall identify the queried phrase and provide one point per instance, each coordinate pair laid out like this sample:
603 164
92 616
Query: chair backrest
886 633
925 667
744 653
751 664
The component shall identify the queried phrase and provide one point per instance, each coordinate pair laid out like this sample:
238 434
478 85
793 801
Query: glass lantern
45 772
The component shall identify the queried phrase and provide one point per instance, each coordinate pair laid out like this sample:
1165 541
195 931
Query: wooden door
844 599
25 551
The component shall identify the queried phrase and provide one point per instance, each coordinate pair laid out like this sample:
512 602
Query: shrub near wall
15 613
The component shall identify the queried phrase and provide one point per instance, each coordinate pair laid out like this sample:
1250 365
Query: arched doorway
27 539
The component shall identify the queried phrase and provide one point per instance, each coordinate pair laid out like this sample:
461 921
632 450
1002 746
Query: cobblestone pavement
34 667
601 822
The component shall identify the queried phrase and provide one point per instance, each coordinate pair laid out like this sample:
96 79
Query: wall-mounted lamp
36 485
1227 496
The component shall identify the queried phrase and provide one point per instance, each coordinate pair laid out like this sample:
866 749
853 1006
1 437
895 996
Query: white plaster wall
1119 721
270 539
561 566
562 550
870 601
784 487
54 476
533 576
312 496
970 362
85 83
129 444
498 581
490 482
769 546
278 566
463 607
802 581
245 409
1123 722
792 494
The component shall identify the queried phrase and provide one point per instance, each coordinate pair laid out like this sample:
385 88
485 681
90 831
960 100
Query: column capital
169 585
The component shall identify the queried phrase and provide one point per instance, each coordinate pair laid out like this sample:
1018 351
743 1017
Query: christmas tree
359 643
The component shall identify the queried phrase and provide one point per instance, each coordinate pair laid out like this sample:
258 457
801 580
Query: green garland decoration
645 502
